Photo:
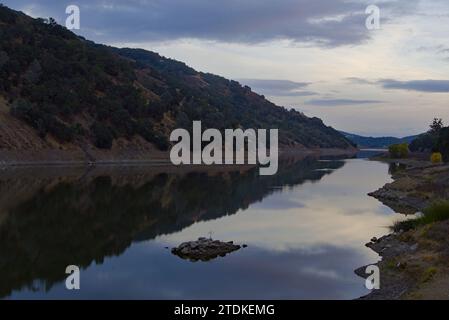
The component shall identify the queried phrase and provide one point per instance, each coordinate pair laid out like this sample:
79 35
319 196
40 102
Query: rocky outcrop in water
204 249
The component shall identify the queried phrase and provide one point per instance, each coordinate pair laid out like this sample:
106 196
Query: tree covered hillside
76 91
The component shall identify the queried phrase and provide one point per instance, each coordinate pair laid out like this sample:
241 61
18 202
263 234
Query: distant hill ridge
81 96
376 142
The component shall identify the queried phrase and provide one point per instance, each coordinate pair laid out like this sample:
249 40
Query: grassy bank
438 211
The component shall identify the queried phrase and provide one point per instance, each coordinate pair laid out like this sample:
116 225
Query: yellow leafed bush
436 157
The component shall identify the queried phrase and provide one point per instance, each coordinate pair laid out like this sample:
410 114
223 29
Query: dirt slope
20 144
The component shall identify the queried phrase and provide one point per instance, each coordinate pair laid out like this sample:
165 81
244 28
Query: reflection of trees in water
80 221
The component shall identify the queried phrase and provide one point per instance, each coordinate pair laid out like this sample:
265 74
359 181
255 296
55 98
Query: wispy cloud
356 80
340 102
278 88
435 86
430 86
440 51
437 48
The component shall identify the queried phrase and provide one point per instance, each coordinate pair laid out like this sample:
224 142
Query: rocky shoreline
414 263
416 184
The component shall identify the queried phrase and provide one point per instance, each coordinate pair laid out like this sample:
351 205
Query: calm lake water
305 229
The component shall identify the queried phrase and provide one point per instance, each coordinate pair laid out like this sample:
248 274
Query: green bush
22 109
399 150
41 121
438 211
102 136
160 142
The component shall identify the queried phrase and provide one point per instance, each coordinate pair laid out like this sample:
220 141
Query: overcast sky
316 56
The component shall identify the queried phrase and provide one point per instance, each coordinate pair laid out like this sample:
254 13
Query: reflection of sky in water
336 210
304 242
147 271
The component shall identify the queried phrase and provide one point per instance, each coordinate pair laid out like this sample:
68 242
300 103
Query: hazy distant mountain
61 91
376 142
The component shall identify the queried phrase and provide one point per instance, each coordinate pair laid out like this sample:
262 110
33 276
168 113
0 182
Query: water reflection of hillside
49 220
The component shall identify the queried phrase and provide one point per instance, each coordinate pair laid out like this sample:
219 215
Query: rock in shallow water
204 249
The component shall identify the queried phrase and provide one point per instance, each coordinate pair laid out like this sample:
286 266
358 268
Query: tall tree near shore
436 126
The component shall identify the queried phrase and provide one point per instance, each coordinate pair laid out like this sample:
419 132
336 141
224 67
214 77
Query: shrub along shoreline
415 257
